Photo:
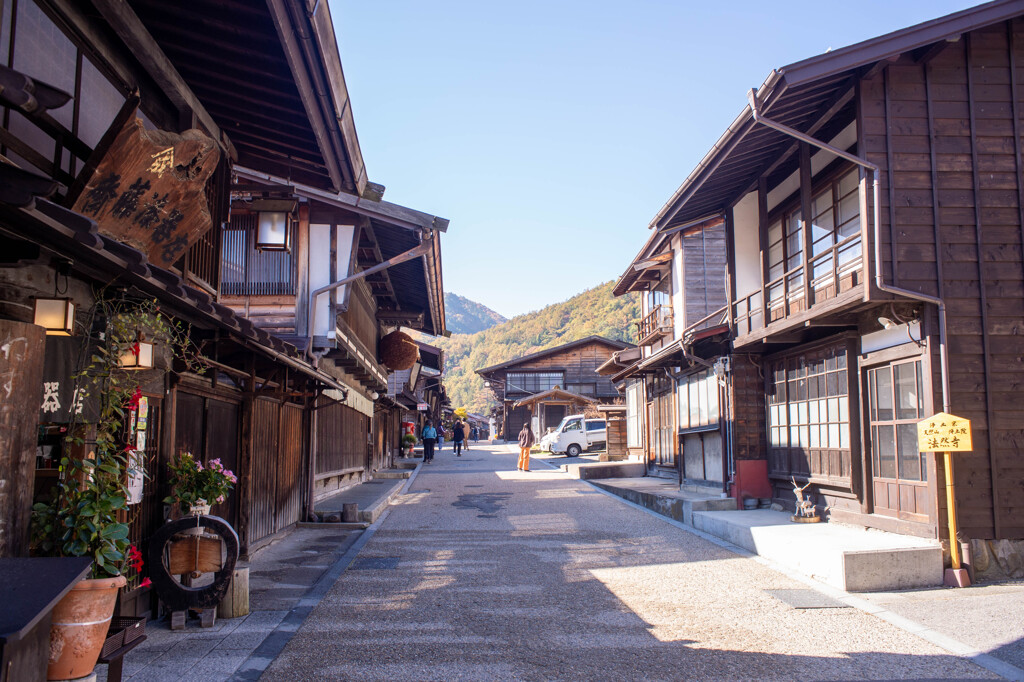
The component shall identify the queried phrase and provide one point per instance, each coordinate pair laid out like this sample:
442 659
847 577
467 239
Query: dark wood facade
848 347
263 406
571 367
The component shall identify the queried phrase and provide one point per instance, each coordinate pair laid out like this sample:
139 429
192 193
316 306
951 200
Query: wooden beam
130 29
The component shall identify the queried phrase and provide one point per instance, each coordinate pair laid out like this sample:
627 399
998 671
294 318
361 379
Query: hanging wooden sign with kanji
944 433
148 190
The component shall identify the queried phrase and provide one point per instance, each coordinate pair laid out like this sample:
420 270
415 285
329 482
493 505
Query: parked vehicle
575 434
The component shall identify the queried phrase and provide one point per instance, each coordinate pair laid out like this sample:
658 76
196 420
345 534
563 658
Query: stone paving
481 572
281 576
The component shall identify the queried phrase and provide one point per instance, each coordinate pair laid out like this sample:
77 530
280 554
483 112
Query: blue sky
550 133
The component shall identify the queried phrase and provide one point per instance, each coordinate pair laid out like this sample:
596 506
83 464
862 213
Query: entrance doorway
899 470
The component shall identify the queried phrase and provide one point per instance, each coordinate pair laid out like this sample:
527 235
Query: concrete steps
665 498
847 557
372 498
850 558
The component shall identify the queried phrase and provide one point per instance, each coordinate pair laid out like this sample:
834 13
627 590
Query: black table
29 589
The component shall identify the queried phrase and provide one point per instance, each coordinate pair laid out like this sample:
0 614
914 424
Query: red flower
146 583
133 401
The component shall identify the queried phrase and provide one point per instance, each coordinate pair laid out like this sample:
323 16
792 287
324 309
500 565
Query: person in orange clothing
525 443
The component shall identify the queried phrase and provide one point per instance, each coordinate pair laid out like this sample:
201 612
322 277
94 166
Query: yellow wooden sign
944 433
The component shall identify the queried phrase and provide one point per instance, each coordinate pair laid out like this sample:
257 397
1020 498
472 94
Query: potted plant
194 488
87 512
408 442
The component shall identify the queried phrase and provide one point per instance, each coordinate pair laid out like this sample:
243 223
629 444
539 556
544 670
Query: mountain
464 316
595 311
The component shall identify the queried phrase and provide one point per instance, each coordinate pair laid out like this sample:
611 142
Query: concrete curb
275 642
943 641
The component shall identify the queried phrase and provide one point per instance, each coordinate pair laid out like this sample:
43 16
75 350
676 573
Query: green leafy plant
87 513
408 440
194 484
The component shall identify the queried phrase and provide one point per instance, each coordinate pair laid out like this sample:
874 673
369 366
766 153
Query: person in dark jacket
458 436
525 443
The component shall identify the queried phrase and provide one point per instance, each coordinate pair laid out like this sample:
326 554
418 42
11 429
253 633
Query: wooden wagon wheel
180 597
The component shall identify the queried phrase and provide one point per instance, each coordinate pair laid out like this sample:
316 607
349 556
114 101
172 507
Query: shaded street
483 572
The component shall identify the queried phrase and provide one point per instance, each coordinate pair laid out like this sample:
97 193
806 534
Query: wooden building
873 208
291 412
571 368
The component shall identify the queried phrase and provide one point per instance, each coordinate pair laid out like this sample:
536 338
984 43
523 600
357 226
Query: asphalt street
482 572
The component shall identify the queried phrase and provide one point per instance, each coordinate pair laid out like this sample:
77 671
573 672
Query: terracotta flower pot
79 627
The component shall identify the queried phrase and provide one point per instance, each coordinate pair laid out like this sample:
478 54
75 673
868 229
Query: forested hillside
463 316
594 311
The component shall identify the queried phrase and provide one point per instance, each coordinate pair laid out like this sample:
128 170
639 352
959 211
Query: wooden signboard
944 433
148 190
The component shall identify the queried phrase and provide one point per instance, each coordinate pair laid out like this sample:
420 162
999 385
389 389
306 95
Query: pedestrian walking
465 435
440 436
525 443
458 437
429 436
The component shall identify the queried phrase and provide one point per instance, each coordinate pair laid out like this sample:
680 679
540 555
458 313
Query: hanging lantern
56 315
273 231
138 356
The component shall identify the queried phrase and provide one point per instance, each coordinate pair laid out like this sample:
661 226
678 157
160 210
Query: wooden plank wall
289 468
275 314
340 439
704 271
949 130
263 478
361 315
580 364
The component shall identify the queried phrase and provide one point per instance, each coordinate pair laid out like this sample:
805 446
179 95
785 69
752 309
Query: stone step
675 504
393 473
850 558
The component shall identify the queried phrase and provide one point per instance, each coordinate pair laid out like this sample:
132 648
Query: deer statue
804 505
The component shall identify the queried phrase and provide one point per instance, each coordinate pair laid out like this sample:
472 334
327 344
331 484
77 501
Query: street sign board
944 432
422 407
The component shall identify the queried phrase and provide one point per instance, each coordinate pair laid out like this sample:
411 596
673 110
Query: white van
575 434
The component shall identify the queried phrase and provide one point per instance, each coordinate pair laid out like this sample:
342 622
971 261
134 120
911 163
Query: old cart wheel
180 597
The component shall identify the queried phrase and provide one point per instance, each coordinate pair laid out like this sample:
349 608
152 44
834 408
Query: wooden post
21 374
954 543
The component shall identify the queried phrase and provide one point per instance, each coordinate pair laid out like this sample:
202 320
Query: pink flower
220 499
146 583
199 466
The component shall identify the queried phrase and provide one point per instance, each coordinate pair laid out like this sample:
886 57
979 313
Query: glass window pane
815 439
844 436
884 446
844 410
883 394
813 411
833 435
906 390
848 183
684 405
910 458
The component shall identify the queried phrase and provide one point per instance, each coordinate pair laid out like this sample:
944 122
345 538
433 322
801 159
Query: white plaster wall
746 246
678 281
320 270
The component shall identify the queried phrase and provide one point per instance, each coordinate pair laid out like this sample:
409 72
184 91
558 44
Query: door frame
898 354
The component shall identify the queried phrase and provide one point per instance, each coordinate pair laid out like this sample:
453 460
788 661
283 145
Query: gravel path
482 573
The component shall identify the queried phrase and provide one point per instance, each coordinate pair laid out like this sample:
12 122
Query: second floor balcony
655 325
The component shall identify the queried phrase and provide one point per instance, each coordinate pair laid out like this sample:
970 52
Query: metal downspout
876 218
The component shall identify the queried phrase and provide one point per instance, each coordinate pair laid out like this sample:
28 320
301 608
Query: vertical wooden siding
947 134
263 498
340 439
289 468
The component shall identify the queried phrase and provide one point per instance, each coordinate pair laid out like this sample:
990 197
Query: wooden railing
655 324
791 292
